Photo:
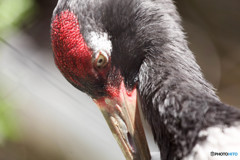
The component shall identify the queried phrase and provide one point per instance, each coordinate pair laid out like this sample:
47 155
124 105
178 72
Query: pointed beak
123 118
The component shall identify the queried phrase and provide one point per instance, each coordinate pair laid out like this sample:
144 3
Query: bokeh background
42 117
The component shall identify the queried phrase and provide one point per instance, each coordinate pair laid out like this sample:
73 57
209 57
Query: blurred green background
13 13
42 117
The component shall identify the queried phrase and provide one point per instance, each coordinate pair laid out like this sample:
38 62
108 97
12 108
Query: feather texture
221 143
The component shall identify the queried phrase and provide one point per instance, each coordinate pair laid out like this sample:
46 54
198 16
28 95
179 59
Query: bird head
87 54
86 67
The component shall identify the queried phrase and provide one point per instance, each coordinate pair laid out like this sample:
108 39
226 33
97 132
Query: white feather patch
100 42
221 140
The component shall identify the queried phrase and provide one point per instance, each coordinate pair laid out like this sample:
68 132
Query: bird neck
174 96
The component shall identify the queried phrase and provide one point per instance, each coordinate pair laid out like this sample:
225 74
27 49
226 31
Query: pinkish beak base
123 118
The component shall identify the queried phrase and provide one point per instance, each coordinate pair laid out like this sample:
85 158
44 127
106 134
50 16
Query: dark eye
101 61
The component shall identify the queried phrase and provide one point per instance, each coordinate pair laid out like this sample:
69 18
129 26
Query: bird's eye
101 61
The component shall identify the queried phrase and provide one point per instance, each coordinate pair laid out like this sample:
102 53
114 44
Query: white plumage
218 139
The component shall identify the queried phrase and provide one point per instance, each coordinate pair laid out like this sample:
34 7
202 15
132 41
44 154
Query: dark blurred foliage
219 20
39 26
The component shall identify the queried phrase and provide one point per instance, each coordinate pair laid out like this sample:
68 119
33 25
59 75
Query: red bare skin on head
72 55
74 59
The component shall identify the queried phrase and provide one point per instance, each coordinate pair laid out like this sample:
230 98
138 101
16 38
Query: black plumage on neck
150 49
176 100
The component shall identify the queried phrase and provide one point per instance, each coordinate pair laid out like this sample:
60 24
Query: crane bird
127 54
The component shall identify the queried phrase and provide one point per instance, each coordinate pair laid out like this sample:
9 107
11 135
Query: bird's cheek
103 73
